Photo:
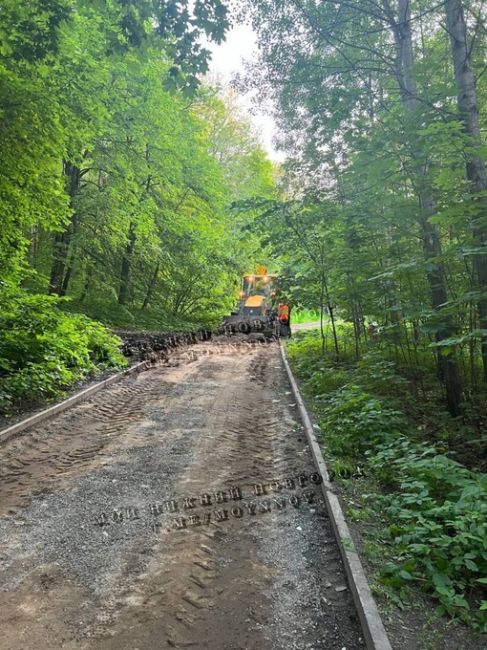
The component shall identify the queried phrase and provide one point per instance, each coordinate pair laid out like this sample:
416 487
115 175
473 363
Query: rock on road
175 509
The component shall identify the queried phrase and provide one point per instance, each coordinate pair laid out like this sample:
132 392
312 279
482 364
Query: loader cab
257 293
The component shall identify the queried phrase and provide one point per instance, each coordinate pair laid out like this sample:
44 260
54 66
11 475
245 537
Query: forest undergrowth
49 344
392 443
44 351
120 169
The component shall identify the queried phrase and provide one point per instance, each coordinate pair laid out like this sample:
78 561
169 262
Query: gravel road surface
176 509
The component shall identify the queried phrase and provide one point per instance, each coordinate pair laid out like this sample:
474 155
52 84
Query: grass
118 316
305 316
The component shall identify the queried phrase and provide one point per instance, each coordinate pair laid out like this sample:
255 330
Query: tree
476 170
340 72
32 136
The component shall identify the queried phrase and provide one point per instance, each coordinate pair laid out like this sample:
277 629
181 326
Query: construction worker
284 316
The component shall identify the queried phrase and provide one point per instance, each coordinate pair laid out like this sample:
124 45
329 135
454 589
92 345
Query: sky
227 60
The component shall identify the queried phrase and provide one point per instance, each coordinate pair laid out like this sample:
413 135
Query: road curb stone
372 626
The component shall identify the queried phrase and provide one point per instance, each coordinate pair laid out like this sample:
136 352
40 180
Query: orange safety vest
283 312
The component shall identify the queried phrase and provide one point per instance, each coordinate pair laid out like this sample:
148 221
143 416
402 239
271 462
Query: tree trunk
356 327
123 291
475 166
150 287
126 265
67 277
322 329
88 277
58 283
324 286
334 331
446 363
61 246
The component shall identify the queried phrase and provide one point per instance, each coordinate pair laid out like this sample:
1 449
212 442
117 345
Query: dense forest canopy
382 110
119 172
381 224
140 195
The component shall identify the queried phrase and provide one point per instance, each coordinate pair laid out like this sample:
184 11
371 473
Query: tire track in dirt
261 578
184 587
42 457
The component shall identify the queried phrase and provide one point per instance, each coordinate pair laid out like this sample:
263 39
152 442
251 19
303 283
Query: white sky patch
228 59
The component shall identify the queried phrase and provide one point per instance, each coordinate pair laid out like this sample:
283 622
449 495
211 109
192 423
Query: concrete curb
372 626
15 429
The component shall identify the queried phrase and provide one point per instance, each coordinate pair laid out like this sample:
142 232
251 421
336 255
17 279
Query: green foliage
433 509
379 375
43 351
303 315
380 206
439 529
359 420
117 181
153 319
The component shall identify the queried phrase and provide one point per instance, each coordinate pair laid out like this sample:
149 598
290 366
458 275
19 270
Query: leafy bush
380 375
439 529
359 421
44 350
320 377
435 509
305 347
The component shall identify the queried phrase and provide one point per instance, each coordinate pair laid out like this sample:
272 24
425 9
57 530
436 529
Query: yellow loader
255 313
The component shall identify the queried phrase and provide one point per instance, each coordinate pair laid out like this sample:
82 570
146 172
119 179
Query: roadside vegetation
382 228
119 171
303 315
44 350
133 194
414 473
382 111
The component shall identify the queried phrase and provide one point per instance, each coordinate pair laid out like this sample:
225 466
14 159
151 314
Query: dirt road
176 509
315 325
